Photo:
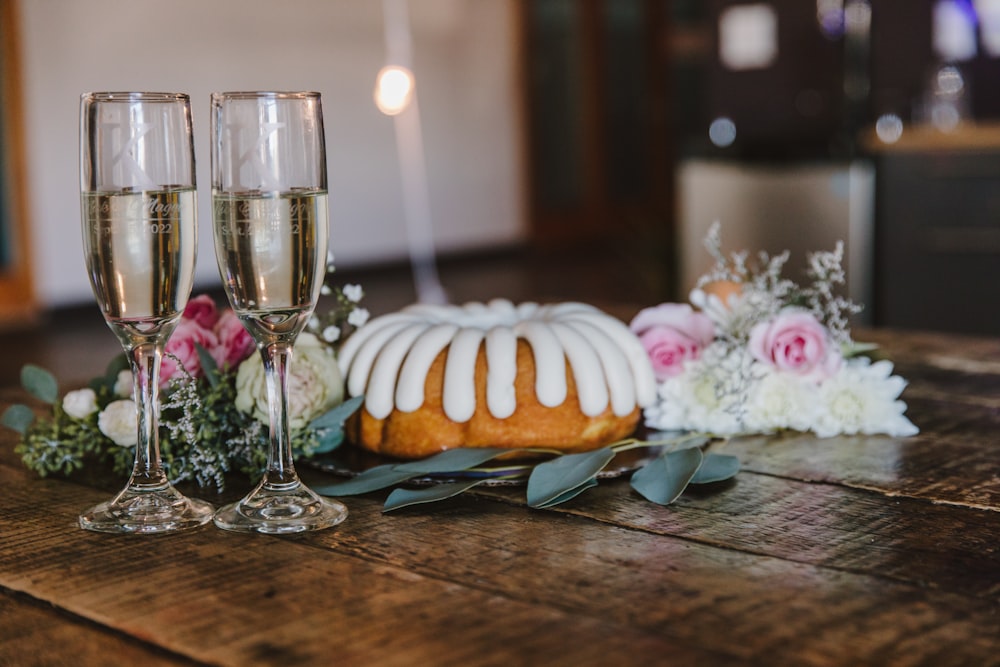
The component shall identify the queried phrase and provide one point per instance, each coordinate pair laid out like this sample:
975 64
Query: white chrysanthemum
863 398
80 403
119 421
695 400
780 401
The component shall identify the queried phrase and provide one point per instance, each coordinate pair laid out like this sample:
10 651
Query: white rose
118 422
314 383
80 403
124 384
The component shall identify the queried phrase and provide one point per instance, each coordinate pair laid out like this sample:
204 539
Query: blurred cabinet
937 231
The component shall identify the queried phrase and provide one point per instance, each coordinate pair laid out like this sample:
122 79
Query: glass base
159 510
279 509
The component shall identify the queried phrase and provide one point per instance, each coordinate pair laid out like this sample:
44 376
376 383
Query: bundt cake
563 376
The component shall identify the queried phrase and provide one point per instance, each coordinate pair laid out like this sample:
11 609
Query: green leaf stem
551 482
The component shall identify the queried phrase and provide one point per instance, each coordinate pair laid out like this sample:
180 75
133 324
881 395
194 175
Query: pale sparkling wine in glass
272 254
140 253
140 228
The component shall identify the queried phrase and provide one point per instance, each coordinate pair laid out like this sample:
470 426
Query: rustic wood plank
766 608
37 635
926 545
242 600
494 566
969 354
960 472
833 552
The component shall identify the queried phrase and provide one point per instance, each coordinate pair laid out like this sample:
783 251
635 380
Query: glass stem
280 471
148 470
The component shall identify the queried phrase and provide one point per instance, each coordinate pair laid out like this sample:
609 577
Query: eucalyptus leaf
663 479
40 383
18 418
716 468
555 478
336 416
372 479
329 440
569 495
405 497
208 366
454 460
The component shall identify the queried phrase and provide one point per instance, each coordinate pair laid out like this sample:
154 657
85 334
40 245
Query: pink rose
202 310
795 342
235 343
182 345
672 333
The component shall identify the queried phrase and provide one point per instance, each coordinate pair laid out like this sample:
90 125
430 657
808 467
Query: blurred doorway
600 160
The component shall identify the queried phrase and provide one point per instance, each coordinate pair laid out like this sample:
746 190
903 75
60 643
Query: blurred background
604 135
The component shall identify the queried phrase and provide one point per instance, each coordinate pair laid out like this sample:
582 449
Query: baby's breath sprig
765 291
345 315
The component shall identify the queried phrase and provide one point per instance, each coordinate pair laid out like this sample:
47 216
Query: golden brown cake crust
427 431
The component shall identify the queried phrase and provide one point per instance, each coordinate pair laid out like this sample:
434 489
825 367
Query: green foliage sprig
203 436
677 463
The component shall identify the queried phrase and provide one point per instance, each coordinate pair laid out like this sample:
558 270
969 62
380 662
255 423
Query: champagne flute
137 182
269 203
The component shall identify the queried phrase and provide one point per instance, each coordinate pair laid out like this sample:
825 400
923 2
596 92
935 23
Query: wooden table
866 550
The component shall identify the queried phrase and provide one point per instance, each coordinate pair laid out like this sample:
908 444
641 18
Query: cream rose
118 421
124 384
314 383
80 403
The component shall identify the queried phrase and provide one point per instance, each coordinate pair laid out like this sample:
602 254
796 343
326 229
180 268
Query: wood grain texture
844 551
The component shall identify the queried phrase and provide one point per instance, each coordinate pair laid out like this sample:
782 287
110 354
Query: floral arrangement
753 353
213 400
763 354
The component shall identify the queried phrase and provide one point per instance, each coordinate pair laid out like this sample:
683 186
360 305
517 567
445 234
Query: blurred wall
800 207
464 59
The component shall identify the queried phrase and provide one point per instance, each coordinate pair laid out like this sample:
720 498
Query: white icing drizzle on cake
387 359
